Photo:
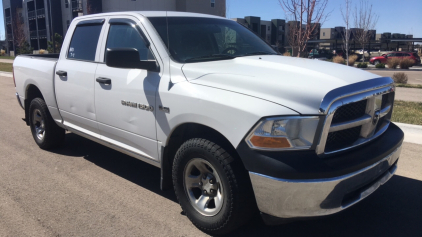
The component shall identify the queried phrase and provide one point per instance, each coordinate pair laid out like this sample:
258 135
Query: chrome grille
350 112
355 117
343 138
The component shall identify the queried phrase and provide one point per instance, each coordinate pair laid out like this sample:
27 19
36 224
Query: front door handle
62 73
104 80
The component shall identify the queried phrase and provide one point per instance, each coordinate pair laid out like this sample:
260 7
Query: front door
126 105
75 81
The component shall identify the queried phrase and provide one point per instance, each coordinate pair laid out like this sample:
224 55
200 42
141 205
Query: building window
269 27
323 33
212 3
66 3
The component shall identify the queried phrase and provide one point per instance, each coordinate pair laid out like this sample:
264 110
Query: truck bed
37 70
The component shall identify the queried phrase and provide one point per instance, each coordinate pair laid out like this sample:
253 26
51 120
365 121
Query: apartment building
41 19
271 31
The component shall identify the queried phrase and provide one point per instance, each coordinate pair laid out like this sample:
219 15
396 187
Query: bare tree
345 13
19 37
365 19
304 16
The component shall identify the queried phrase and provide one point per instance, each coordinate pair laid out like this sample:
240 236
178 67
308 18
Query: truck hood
297 83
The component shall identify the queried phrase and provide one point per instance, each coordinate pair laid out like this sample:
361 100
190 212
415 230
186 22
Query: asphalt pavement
86 189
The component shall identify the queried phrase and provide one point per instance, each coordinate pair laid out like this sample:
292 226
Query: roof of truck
156 14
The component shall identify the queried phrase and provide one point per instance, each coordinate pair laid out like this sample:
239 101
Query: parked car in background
400 55
320 54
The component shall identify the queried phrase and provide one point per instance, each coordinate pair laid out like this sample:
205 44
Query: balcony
31 15
33 34
8 20
42 34
41 13
77 6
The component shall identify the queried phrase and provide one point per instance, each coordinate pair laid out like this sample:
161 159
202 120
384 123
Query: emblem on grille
376 117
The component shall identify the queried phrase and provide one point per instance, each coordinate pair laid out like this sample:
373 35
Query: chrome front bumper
318 197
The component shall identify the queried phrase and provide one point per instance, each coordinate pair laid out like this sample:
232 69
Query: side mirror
128 58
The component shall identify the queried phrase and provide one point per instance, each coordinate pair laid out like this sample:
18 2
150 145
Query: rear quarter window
83 45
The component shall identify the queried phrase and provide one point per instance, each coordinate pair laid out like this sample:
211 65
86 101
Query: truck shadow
395 209
127 167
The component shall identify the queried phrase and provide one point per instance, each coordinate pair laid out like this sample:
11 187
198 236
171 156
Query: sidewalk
408 94
412 133
6 60
6 74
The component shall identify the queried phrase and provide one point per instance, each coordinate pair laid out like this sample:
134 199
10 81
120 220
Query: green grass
409 85
6 57
6 67
407 112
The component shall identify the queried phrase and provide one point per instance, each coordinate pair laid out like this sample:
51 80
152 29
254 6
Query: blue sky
403 16
395 16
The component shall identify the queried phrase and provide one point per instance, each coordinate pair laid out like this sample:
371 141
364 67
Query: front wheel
212 187
376 62
45 131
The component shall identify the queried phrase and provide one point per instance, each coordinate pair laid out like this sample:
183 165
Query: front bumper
300 184
286 198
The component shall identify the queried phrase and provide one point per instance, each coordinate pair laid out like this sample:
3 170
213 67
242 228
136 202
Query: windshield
195 39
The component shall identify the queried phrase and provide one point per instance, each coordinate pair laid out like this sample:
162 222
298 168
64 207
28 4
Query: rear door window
83 45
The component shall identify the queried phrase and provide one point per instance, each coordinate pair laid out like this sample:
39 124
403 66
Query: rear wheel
212 187
45 131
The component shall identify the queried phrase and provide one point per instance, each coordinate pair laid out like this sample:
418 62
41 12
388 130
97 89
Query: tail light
14 76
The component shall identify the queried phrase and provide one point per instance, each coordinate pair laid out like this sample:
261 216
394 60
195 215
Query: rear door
76 80
390 56
126 107
399 55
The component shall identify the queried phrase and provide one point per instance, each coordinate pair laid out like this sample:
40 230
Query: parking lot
86 189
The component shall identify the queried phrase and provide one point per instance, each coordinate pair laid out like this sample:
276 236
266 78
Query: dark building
254 23
277 32
11 10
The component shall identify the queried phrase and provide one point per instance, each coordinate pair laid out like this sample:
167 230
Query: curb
6 74
412 133
392 70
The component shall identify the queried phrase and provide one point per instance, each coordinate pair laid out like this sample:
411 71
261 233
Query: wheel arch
31 92
179 135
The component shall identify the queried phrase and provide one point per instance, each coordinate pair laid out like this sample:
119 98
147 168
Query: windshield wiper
258 53
210 57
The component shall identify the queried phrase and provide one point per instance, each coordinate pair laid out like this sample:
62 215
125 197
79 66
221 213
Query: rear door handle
104 80
62 73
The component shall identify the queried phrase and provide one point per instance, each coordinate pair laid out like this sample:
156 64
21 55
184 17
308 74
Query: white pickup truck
234 126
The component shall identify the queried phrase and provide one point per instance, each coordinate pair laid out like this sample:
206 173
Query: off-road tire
53 135
239 204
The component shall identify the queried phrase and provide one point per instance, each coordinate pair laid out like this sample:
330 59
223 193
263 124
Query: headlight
283 133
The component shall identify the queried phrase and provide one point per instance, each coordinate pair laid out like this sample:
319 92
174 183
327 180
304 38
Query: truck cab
234 127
